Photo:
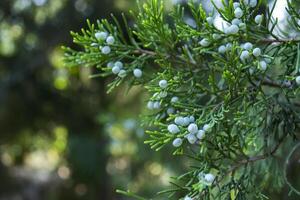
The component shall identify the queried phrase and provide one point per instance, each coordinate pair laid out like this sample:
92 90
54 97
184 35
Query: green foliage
226 97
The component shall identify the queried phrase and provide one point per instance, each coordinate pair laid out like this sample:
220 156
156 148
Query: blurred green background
61 136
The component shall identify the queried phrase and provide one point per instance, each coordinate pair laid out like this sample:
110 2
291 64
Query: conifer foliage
225 96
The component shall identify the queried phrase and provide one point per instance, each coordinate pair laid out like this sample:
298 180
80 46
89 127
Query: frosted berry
122 73
193 128
177 142
209 178
258 19
238 12
101 35
137 73
105 50
110 40
163 84
256 52
115 70
173 128
191 138
200 135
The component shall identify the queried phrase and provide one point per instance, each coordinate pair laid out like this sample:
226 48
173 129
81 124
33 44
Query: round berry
179 121
206 127
222 49
256 52
248 46
110 40
150 105
233 29
192 119
173 128
174 99
209 178
244 55
210 20
122 73
115 69
258 19
238 12
105 50
110 64
263 65
156 105
163 84
200 134
253 3
101 35
236 21
186 121
119 64
193 128
137 73
191 138
177 142
204 42
242 26
298 80
236 5
170 110
216 36
187 198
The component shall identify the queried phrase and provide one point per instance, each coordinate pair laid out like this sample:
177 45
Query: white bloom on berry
110 40
233 29
115 69
187 198
216 36
210 20
105 50
110 64
238 12
263 65
163 84
242 26
174 99
248 46
222 49
186 121
253 3
193 128
179 121
236 5
192 119
228 46
206 127
258 19
122 73
256 52
298 80
236 21
204 42
150 105
170 110
191 138
244 55
119 64
101 35
209 178
177 142
156 105
137 73
251 71
163 94
173 128
200 134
